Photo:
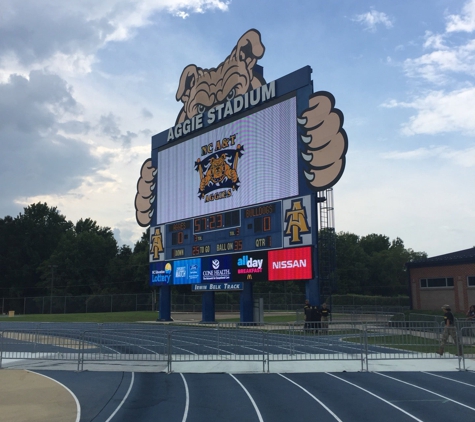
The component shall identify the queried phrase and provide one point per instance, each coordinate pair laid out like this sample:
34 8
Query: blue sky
85 84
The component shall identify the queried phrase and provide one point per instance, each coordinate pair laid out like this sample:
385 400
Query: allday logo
253 265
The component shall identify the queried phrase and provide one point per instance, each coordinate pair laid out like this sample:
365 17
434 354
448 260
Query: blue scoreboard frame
180 232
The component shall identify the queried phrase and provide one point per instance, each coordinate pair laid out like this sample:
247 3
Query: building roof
466 256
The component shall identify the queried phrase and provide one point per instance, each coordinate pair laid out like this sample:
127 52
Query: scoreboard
253 228
274 225
231 191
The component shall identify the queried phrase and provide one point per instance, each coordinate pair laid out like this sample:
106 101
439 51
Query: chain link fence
224 302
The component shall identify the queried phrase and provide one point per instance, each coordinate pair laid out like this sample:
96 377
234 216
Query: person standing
325 313
471 313
312 317
449 330
307 312
316 317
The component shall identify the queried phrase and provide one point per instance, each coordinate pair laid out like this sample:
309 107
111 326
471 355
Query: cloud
463 158
109 126
372 19
450 63
464 22
451 55
29 31
437 66
37 157
440 112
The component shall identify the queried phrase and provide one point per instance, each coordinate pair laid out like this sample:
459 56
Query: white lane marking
78 406
378 397
250 398
187 400
124 399
424 389
450 379
311 395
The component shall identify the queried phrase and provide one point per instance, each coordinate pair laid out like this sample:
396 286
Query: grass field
90 317
123 317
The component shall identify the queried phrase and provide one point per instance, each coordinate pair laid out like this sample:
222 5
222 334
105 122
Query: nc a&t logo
218 171
156 244
296 222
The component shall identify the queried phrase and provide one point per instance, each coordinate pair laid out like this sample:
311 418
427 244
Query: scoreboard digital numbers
252 228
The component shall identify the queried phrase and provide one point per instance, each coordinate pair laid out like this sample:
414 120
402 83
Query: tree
82 258
373 265
351 264
27 241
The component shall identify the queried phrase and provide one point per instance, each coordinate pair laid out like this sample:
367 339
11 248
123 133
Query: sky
85 84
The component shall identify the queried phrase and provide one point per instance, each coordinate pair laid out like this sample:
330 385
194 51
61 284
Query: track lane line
378 397
78 406
187 399
449 379
124 399
428 391
311 395
250 398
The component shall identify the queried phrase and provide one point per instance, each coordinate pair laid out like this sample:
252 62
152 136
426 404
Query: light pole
51 290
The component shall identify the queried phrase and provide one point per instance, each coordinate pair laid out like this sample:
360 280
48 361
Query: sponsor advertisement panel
250 266
274 265
217 268
161 274
290 264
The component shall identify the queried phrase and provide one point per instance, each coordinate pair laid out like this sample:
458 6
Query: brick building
444 279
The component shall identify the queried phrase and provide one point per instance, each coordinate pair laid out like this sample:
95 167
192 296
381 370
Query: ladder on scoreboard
326 245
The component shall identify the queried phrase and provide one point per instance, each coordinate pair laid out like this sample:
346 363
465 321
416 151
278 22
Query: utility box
11 313
259 311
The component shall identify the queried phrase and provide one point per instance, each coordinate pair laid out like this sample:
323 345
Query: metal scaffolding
326 245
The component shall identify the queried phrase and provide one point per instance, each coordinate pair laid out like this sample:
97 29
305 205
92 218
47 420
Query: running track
344 396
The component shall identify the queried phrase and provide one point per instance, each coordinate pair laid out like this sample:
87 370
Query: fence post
364 356
81 352
1 348
265 353
169 357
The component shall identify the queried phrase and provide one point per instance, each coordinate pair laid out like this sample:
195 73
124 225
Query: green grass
406 342
267 318
90 317
121 317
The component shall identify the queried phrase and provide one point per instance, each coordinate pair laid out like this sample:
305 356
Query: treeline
40 249
372 264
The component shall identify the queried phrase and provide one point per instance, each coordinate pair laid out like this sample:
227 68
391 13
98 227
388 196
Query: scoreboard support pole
207 307
165 303
247 303
313 292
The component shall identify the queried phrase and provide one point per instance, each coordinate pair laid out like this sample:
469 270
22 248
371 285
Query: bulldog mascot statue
200 89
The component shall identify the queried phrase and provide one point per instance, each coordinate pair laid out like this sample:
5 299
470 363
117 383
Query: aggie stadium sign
231 189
